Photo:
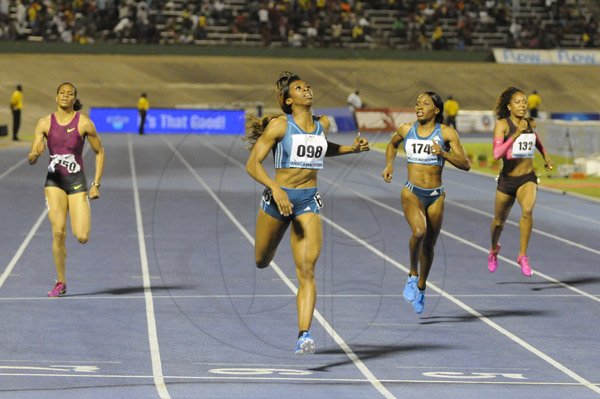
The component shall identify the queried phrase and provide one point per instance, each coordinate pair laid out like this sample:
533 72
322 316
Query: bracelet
95 184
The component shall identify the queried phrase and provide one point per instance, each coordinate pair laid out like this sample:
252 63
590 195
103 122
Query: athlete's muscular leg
306 241
57 213
526 195
269 232
81 216
415 216
502 207
435 216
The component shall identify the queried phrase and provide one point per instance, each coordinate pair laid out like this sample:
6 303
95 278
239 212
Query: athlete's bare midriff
425 176
296 177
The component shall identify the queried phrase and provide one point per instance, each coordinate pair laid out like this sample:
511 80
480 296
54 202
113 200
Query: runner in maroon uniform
66 188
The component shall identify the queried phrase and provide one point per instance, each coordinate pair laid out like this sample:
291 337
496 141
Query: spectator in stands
143 106
437 38
4 11
336 32
16 106
311 35
399 27
515 141
295 39
265 24
358 34
291 196
451 108
533 102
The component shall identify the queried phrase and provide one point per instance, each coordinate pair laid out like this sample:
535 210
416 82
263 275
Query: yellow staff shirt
534 101
451 107
16 100
143 104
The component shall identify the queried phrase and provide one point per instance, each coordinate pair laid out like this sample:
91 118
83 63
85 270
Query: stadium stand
394 24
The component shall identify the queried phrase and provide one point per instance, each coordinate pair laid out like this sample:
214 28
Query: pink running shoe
59 289
523 261
493 260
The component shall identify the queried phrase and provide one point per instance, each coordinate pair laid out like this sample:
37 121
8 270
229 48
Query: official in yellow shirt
143 107
533 102
16 105
451 108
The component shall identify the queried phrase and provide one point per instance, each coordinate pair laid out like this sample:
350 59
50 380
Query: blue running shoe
419 302
305 344
410 289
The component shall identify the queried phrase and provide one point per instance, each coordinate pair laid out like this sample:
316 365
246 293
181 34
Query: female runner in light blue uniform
299 144
428 144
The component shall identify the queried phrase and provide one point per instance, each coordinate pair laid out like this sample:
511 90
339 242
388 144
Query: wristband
95 184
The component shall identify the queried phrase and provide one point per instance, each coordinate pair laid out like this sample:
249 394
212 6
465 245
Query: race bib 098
308 151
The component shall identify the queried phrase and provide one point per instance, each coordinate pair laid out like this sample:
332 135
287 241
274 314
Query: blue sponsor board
169 120
575 116
343 119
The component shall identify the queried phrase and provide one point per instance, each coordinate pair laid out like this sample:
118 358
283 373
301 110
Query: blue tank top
300 149
418 149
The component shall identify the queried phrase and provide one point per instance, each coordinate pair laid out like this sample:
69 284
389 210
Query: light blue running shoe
305 344
419 302
410 289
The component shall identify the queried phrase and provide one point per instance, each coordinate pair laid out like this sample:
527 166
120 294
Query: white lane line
470 310
551 190
296 379
471 244
376 296
540 232
583 218
512 223
157 372
11 265
15 166
463 305
328 328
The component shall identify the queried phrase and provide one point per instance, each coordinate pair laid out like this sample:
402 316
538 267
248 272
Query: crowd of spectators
417 24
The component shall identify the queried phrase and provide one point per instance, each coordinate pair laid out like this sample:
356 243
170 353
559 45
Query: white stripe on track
376 296
157 372
357 381
9 170
453 299
472 311
11 265
295 379
328 328
471 244
540 232
534 230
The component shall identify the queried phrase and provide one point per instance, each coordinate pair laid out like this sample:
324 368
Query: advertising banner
382 119
388 120
168 120
547 57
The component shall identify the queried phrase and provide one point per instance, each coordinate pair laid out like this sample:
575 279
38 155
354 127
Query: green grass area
589 186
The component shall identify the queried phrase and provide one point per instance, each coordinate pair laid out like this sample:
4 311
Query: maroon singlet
65 145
